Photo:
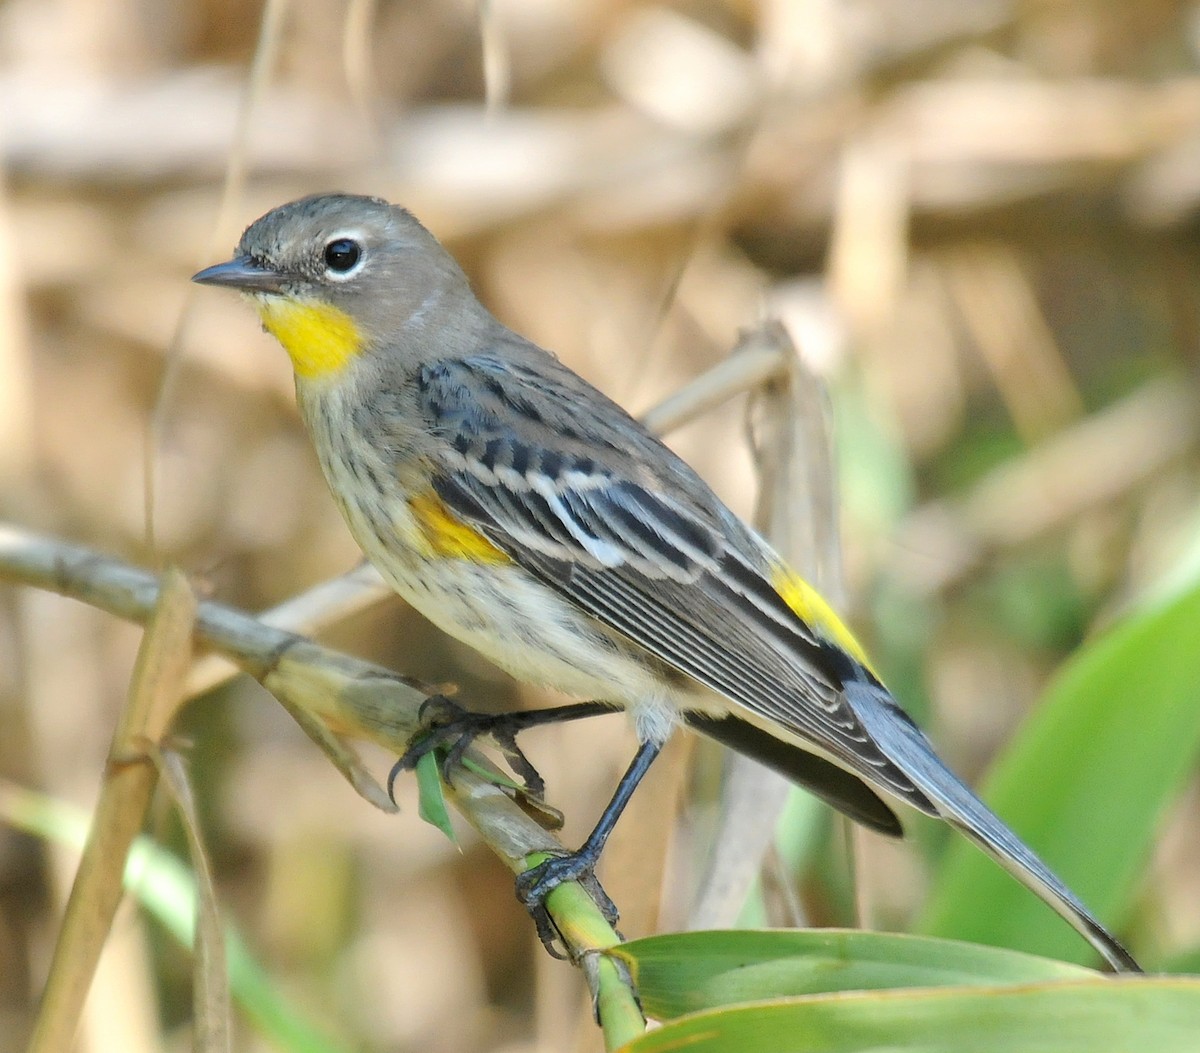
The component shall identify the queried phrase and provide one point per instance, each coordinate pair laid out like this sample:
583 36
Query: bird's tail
908 748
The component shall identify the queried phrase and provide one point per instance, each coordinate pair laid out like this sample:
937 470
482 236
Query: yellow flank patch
448 536
811 606
319 338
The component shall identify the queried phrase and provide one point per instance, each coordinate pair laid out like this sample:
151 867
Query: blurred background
977 218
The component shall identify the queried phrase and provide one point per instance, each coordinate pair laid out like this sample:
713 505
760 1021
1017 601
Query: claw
536 883
447 723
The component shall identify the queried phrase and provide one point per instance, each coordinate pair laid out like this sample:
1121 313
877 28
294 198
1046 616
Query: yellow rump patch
319 338
448 536
808 604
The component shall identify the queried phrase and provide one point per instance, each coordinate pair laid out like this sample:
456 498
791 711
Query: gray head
341 260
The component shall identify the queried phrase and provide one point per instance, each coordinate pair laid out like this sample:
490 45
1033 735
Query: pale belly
499 609
520 625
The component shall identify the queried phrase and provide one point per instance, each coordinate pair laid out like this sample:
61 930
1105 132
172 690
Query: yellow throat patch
806 602
319 339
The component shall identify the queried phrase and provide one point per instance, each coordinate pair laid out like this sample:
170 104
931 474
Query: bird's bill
242 273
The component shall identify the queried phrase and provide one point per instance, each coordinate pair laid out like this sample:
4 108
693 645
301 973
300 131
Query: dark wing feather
579 495
582 502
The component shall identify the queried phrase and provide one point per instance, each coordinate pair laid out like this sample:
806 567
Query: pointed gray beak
242 273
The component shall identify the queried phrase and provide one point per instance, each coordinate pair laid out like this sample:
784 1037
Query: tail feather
907 747
835 786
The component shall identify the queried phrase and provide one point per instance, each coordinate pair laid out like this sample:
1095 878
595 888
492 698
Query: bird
528 515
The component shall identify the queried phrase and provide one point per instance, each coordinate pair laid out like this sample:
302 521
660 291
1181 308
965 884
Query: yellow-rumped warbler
531 517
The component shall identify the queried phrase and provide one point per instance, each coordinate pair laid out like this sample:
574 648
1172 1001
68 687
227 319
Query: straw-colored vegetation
976 220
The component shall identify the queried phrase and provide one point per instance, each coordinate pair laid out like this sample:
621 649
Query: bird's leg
448 724
535 884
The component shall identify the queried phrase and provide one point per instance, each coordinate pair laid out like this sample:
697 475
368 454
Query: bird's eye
342 255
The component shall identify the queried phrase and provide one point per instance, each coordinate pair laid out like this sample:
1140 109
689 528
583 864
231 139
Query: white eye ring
343 256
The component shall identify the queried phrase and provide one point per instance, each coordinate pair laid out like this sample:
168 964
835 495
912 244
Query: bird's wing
641 544
576 492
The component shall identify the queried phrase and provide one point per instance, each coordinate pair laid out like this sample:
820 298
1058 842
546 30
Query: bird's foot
536 883
449 726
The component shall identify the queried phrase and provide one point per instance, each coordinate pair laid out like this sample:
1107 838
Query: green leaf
874 472
431 798
1102 1015
685 972
496 778
1085 783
